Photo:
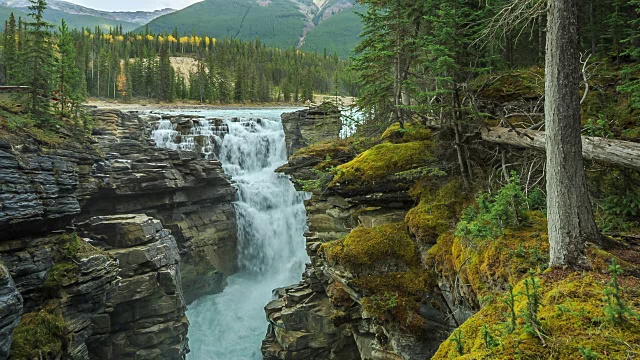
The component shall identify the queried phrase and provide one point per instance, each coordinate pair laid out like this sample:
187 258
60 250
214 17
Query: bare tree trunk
571 220
462 158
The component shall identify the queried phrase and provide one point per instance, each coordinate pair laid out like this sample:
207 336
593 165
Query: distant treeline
127 65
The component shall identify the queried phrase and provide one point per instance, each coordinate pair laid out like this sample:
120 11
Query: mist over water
271 224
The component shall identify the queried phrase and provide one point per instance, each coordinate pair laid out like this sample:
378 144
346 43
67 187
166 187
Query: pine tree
70 85
240 91
11 63
307 87
39 61
166 76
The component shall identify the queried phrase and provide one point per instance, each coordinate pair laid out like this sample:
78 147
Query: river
271 223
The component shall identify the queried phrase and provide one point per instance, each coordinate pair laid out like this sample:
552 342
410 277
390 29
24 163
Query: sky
133 5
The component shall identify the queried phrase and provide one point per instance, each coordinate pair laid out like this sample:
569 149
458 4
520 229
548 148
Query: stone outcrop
310 126
190 195
119 295
10 310
145 314
41 188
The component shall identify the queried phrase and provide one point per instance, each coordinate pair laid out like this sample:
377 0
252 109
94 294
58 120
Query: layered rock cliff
359 302
107 238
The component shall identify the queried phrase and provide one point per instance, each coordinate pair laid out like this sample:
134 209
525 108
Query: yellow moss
410 132
436 214
571 313
487 267
384 160
332 149
40 335
601 259
384 247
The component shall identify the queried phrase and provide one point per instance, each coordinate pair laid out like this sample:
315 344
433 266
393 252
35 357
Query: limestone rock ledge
191 195
144 316
310 126
48 190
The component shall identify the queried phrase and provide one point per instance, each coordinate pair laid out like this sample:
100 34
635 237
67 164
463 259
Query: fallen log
616 152
14 89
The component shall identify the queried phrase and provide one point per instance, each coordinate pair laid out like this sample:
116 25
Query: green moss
571 316
410 132
70 249
329 149
396 297
437 213
384 248
383 161
488 267
40 335
61 275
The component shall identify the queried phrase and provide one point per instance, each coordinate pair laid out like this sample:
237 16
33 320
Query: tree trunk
570 216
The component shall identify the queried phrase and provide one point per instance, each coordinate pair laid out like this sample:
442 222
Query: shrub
488 218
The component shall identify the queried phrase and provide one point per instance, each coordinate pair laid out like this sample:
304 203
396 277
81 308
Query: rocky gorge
106 239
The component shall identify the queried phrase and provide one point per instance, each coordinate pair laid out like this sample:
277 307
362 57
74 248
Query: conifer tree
70 86
11 64
39 61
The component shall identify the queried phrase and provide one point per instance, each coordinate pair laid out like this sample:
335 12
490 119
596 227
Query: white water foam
271 224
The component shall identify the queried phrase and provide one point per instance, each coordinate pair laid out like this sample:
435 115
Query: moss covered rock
397 297
572 323
381 249
383 161
409 133
436 213
487 267
40 335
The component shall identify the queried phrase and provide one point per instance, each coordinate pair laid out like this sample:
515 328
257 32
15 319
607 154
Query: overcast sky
132 5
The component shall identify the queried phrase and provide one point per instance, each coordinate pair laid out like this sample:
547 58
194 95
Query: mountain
312 25
79 16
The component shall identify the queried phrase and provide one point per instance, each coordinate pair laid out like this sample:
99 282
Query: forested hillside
74 64
333 26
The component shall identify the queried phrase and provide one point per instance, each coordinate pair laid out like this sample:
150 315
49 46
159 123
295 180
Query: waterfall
271 223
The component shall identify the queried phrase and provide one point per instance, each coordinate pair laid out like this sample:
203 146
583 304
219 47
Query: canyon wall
111 236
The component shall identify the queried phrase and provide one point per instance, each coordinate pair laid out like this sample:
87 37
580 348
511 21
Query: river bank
177 106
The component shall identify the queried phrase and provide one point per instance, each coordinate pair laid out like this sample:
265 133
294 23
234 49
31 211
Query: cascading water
271 222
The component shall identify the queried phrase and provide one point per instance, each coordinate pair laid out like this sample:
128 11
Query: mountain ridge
135 17
280 23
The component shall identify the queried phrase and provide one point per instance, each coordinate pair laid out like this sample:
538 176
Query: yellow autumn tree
122 81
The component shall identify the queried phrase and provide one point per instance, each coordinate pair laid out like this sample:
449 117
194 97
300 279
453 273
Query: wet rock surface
190 195
144 316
